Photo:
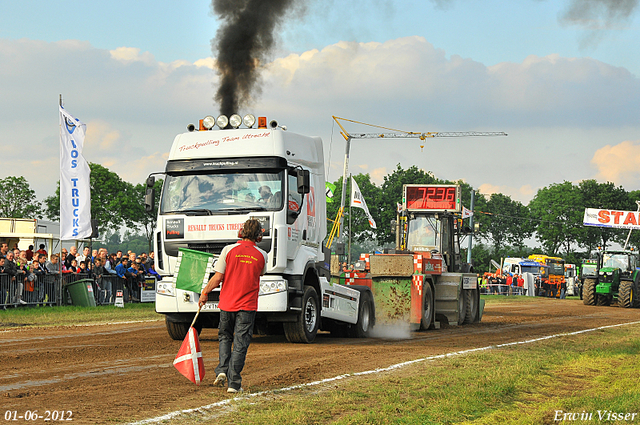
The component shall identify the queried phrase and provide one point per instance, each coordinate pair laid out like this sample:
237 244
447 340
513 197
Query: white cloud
522 194
619 163
131 54
101 135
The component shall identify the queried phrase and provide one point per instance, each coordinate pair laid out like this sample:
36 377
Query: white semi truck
217 176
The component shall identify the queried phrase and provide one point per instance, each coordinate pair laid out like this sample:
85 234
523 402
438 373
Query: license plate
210 306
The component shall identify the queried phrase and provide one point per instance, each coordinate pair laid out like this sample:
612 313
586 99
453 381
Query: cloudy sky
561 77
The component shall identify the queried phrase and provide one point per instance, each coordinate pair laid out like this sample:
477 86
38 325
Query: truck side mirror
149 198
303 182
150 194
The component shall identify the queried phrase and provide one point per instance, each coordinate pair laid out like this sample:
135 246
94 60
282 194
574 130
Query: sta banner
75 192
611 218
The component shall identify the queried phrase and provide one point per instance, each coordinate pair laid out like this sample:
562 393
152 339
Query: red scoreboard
432 197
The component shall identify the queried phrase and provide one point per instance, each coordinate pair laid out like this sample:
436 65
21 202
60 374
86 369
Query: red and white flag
189 361
466 213
357 200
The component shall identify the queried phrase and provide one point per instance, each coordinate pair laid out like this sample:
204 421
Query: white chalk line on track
203 409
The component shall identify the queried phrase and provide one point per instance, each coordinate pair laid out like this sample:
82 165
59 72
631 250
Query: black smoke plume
242 44
599 14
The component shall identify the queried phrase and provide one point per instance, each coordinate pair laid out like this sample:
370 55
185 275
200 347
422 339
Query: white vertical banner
75 191
357 200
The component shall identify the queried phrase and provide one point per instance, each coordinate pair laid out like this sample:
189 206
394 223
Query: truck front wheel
178 330
306 327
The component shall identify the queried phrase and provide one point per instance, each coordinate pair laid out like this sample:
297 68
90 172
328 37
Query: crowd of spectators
28 270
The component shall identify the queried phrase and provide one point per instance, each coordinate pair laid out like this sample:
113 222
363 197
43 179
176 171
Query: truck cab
214 181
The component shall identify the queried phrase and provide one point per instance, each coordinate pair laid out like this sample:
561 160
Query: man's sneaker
220 379
233 390
22 302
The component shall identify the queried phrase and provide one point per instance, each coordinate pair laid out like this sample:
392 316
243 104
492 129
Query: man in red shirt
240 266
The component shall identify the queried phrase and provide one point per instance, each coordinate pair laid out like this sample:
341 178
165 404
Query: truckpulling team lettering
217 142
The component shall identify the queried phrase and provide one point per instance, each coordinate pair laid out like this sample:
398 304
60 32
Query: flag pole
61 260
196 316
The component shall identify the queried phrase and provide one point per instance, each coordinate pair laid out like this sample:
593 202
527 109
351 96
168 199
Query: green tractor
615 278
587 270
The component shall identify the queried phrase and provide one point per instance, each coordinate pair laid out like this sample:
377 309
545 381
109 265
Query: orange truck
554 281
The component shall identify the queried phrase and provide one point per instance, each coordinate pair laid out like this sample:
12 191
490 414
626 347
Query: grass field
73 315
589 376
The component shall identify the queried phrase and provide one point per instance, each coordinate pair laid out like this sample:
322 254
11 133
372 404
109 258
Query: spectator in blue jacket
123 273
136 276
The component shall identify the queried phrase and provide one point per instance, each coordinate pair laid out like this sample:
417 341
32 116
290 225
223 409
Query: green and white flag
193 269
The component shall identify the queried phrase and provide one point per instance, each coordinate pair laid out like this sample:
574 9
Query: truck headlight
272 286
166 288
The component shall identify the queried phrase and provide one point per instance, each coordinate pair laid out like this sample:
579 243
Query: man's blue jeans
236 327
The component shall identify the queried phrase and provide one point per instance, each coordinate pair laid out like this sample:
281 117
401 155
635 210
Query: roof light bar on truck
235 120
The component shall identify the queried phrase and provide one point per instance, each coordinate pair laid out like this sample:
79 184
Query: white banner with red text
611 218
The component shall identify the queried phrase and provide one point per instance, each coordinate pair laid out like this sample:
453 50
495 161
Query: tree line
115 204
553 218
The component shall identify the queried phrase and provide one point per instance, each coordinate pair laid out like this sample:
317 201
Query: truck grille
210 247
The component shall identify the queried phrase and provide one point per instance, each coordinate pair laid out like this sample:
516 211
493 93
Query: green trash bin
81 293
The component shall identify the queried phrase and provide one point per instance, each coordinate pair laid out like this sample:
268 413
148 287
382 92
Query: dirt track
124 372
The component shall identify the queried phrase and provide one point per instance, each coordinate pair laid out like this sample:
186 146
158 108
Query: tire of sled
472 305
427 312
462 307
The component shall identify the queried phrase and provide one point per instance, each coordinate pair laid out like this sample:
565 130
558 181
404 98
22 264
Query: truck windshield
422 234
222 193
531 269
556 268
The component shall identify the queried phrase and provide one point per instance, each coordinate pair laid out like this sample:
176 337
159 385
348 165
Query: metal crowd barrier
42 290
49 289
502 289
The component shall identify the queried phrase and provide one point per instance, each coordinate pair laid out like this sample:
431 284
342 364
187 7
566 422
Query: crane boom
393 134
423 136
